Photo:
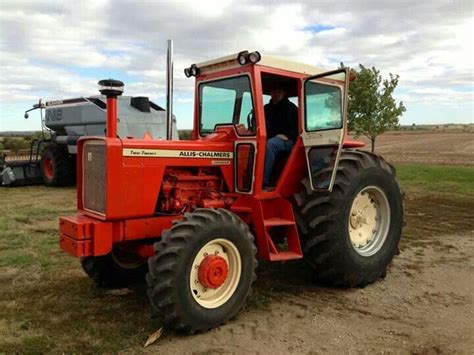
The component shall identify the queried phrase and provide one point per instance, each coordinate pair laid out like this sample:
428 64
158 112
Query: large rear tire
58 167
351 235
203 270
117 269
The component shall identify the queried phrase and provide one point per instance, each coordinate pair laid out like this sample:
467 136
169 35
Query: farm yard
425 305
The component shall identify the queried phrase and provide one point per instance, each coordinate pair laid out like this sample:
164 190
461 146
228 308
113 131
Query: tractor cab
230 96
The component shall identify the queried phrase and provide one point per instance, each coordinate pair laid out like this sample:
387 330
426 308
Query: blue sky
52 50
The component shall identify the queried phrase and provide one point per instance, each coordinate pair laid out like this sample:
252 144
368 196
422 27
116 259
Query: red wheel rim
48 167
213 271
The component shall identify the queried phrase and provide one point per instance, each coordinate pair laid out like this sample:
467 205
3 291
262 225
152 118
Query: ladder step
285 255
273 222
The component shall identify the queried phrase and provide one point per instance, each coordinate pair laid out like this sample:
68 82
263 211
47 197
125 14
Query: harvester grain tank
52 160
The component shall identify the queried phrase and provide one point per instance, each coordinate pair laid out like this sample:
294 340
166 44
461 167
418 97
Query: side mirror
26 115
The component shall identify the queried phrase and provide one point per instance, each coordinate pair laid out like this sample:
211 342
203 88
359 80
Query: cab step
275 222
285 255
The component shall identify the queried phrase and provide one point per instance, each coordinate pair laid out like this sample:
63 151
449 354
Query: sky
61 49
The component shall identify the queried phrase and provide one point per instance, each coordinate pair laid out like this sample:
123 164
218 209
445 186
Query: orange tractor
193 216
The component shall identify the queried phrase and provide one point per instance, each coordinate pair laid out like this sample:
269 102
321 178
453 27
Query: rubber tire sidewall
64 166
207 317
368 265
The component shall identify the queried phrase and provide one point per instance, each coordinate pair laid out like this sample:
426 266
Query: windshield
226 101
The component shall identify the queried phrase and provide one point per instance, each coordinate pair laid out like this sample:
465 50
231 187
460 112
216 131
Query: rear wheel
203 270
351 235
120 268
58 167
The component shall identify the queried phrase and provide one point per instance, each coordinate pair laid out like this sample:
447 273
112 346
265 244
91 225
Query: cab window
226 101
323 107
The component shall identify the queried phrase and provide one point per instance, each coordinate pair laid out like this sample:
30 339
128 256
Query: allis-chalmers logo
205 154
168 153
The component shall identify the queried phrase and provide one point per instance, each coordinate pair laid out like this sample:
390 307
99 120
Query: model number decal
167 153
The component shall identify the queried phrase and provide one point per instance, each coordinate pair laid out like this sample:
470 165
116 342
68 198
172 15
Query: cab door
324 121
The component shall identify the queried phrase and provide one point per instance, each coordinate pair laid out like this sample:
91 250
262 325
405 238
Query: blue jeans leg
275 146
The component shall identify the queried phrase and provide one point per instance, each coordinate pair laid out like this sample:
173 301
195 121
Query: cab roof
231 61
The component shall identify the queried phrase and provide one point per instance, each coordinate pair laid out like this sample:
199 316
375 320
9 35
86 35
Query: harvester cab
193 215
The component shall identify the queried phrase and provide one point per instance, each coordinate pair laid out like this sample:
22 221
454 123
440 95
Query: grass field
47 304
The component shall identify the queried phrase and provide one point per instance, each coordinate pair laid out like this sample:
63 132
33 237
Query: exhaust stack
169 91
111 89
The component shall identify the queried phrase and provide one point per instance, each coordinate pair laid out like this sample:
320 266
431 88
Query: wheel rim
127 260
224 287
48 167
369 221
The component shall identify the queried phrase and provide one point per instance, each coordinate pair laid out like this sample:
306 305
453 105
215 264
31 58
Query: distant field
429 147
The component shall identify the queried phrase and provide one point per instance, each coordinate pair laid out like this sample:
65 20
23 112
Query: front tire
58 167
351 235
203 270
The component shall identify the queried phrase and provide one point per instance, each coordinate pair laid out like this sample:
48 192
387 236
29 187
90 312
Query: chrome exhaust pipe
169 91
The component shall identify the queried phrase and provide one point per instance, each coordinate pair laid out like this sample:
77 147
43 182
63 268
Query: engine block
185 189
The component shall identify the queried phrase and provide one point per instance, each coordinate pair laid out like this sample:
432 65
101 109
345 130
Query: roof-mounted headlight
194 70
254 57
191 71
243 57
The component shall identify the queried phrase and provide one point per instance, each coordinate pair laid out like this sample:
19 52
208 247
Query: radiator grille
94 178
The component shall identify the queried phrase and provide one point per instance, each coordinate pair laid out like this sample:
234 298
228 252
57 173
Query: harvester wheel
58 167
202 271
351 234
117 269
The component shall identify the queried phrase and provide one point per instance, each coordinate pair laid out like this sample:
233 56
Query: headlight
254 57
243 57
194 70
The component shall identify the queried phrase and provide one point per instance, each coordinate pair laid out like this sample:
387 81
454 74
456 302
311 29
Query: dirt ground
424 306
447 148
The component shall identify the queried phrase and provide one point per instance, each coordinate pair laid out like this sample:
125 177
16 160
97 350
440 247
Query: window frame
199 99
236 163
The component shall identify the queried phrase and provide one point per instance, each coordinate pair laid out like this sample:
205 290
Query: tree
14 144
372 110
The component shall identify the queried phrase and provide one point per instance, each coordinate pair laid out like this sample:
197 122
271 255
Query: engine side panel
145 177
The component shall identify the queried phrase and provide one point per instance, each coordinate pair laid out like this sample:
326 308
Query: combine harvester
52 161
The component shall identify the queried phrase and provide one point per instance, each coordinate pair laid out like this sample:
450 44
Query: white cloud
55 50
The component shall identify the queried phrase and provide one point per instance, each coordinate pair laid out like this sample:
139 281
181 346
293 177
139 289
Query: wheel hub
48 167
213 271
363 219
369 221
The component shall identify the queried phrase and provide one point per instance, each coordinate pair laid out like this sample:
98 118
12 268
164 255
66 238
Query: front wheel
203 270
351 234
58 167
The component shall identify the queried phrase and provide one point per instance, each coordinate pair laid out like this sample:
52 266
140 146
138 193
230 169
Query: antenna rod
169 91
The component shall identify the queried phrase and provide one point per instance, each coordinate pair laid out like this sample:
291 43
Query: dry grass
46 303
